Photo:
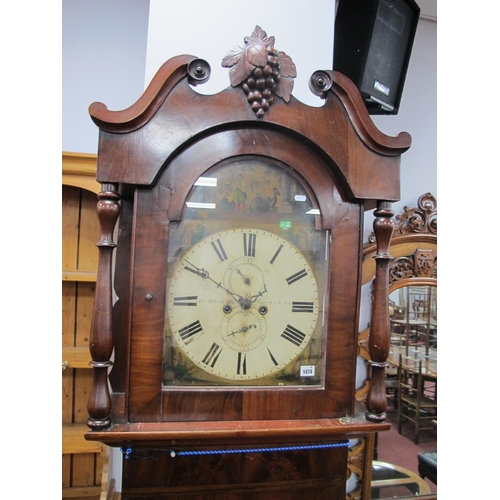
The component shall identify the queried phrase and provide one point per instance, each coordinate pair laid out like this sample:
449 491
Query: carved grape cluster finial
262 71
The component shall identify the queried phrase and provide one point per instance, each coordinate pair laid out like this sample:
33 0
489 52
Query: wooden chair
392 385
413 404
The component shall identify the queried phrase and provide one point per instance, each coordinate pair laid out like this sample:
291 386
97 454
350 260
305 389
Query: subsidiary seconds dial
242 304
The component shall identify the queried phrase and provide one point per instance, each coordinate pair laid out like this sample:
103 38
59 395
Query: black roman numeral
293 335
296 277
272 357
212 355
190 330
249 242
219 250
189 300
276 254
302 307
241 369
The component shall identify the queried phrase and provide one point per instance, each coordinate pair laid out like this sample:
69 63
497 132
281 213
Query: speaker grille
388 50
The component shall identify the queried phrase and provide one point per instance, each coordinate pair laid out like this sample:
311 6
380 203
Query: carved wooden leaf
255 55
237 73
243 62
287 67
240 72
232 58
259 36
284 88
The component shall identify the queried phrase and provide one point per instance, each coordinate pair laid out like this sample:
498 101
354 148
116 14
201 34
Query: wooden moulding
230 432
371 135
131 153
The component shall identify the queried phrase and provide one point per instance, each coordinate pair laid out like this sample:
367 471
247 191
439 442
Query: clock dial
243 304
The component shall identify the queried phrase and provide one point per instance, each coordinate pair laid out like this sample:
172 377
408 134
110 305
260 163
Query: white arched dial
242 304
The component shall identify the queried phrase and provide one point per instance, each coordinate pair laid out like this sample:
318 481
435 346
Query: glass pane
246 281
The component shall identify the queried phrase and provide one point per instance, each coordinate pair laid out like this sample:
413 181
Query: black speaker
373 40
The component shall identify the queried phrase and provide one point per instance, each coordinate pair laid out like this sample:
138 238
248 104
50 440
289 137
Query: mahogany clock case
173 374
151 158
151 220
244 304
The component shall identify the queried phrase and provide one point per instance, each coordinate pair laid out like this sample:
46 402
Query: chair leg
417 423
400 413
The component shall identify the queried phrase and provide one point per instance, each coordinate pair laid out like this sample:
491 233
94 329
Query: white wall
304 30
103 59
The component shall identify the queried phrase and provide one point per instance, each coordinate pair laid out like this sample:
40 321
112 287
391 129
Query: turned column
380 337
101 337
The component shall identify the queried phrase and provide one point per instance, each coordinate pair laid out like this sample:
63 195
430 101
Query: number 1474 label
307 371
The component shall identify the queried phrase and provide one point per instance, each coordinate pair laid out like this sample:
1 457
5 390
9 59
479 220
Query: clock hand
245 303
245 279
253 298
243 329
200 272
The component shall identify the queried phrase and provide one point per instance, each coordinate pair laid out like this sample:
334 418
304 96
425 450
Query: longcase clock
224 336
